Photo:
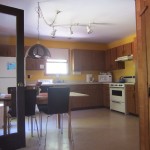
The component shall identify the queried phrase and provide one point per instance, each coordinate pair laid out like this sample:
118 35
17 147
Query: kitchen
78 82
64 80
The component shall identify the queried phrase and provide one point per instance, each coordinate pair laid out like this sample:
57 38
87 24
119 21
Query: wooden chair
58 103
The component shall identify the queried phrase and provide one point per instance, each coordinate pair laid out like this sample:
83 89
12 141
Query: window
56 66
58 63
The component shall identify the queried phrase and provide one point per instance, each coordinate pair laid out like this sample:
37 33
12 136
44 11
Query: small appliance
105 78
89 78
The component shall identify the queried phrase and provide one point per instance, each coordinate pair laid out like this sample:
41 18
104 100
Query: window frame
67 62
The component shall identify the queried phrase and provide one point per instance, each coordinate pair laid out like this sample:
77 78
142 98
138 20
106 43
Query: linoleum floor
93 129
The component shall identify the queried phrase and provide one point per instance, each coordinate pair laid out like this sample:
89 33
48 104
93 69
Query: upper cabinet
110 63
125 50
88 60
8 50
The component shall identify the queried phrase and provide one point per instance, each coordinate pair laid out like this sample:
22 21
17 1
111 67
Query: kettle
121 80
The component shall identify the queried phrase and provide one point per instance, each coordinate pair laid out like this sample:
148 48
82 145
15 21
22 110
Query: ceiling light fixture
38 51
71 32
53 24
53 32
88 28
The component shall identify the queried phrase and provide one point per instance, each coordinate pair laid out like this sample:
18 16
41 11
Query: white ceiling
117 18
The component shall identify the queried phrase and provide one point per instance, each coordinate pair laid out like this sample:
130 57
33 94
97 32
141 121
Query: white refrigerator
7 73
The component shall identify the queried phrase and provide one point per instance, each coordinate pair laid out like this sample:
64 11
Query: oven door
117 94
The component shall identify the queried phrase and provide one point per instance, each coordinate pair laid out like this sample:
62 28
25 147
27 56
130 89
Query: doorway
10 141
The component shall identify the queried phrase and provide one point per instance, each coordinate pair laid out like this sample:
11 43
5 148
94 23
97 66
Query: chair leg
8 124
69 126
61 120
40 123
46 132
31 126
37 129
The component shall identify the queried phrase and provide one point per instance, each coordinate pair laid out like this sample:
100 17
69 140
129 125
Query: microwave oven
105 78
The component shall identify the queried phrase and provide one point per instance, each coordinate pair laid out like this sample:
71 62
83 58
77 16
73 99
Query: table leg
58 121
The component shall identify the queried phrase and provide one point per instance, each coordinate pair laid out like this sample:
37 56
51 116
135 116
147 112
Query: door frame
17 140
142 71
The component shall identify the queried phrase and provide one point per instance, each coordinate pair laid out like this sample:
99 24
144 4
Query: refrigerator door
7 73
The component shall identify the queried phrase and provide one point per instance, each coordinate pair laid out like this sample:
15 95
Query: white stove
117 97
117 94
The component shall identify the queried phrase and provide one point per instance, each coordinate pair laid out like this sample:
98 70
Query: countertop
75 83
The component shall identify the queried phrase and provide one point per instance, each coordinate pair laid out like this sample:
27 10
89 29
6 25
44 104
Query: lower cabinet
92 101
106 95
98 96
131 102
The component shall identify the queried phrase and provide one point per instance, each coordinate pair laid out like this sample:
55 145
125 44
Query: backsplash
39 74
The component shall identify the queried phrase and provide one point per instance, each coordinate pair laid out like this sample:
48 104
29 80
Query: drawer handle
116 102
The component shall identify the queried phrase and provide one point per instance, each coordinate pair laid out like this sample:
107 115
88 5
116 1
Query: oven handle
115 101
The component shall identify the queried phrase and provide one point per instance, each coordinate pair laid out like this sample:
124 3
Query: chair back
58 100
12 107
30 101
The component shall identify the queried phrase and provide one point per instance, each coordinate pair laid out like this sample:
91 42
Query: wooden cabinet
120 51
110 63
88 60
34 64
93 100
113 57
107 60
127 49
98 60
131 103
8 50
106 95
124 50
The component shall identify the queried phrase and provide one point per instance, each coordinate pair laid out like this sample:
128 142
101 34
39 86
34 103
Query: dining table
41 98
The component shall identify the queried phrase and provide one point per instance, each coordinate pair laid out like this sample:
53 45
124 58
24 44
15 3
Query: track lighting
71 32
53 32
53 23
88 28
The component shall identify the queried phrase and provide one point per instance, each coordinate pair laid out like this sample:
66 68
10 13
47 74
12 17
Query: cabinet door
116 64
113 55
8 50
98 60
130 99
107 60
106 95
88 60
76 60
127 49
81 60
120 51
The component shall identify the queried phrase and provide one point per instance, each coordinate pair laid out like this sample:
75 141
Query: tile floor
93 129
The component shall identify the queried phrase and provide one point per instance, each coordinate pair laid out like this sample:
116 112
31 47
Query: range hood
124 58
